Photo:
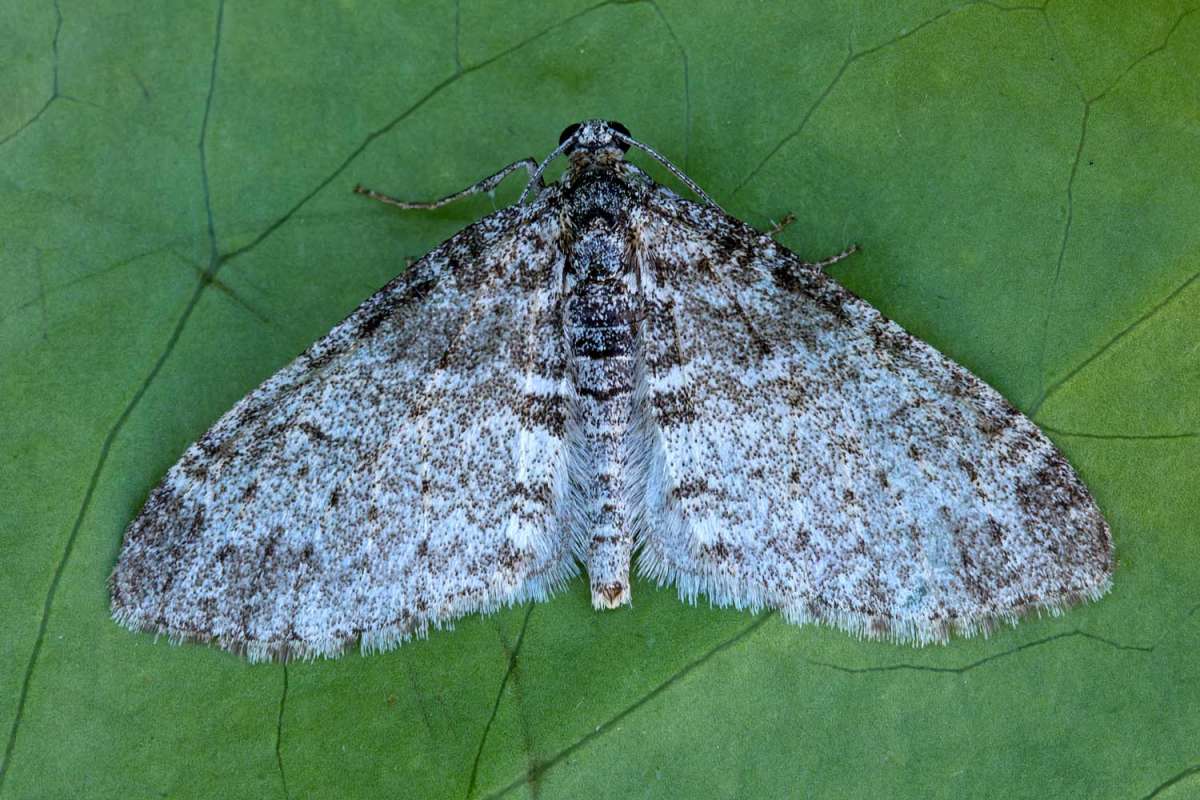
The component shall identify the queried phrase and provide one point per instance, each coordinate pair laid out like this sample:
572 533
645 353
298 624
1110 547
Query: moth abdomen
601 318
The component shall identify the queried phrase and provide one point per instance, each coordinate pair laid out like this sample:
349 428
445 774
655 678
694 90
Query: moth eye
568 132
621 129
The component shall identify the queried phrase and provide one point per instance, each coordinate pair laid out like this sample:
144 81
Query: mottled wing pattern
815 458
405 470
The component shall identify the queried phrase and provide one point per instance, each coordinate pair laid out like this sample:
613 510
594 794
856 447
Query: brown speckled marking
314 431
674 408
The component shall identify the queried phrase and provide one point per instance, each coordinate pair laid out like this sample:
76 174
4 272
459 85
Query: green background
177 223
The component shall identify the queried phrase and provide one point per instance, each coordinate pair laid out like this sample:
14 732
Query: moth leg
825 262
788 219
486 185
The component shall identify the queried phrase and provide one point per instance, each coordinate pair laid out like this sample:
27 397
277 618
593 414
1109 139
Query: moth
600 371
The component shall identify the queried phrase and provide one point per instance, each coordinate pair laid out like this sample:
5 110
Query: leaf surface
178 223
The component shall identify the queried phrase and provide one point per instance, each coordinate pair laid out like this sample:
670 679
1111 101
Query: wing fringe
726 593
376 640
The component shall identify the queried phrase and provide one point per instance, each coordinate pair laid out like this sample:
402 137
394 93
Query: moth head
594 135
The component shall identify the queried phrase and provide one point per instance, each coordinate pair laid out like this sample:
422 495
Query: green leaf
178 222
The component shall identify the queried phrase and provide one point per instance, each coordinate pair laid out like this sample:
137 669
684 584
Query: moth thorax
598 196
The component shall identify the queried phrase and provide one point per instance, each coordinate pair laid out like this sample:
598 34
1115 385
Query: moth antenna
537 175
676 171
